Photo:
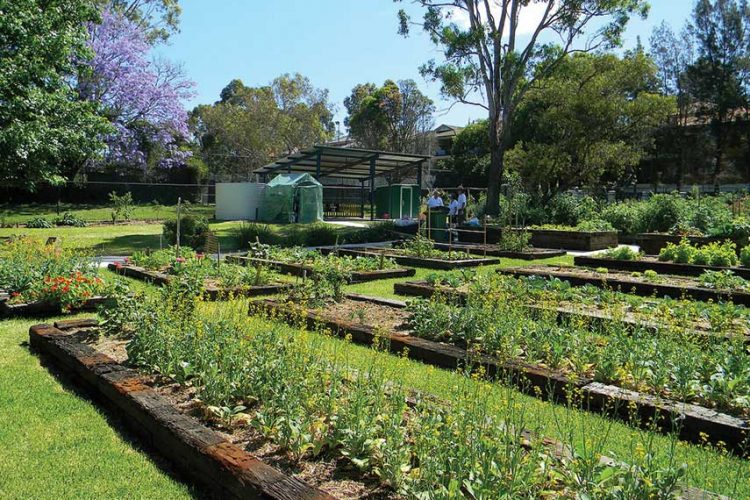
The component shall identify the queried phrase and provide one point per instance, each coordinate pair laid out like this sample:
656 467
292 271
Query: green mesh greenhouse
352 168
292 198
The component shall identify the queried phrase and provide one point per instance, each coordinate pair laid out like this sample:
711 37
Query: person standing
461 215
435 200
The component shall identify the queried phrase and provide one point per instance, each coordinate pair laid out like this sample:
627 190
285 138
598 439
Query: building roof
345 163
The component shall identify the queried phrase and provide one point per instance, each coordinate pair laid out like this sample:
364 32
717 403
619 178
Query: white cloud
528 17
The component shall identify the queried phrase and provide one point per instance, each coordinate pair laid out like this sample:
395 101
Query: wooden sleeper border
211 292
658 266
40 309
695 422
425 290
496 251
302 270
197 451
429 263
635 287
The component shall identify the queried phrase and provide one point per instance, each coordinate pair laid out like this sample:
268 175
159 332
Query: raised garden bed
426 262
497 251
305 270
654 264
202 454
587 312
652 243
550 238
696 422
40 309
671 286
210 289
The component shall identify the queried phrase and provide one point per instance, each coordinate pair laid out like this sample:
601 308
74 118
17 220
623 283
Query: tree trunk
499 135
719 130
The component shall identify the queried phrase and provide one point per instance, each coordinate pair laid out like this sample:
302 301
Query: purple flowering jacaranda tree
142 96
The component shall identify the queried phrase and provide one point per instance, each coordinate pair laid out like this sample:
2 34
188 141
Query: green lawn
57 444
121 239
20 214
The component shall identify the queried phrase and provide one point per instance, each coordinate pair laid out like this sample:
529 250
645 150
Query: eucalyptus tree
494 51
394 117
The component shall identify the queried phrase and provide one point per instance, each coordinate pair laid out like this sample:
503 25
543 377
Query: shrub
38 223
570 210
621 253
248 234
681 253
722 280
377 231
69 219
662 212
594 225
626 217
745 256
514 241
714 254
193 231
321 234
122 206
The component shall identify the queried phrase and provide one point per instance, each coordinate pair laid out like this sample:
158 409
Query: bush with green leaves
625 216
723 280
621 253
570 210
38 223
745 256
514 240
321 234
122 206
249 233
193 231
722 254
69 219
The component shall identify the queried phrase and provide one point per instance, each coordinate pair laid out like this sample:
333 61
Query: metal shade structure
363 165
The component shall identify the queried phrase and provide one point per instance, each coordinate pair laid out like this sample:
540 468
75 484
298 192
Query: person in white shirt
461 204
435 200
453 207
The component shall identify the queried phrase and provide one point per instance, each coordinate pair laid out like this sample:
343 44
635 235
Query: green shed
292 198
397 201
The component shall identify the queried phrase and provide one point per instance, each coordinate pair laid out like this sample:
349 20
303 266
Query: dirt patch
367 314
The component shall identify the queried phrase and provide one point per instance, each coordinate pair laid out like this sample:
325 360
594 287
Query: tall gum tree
498 49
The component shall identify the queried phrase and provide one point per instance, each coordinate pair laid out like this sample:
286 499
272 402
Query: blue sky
336 43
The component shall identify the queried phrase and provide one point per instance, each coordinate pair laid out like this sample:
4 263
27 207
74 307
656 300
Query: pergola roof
346 163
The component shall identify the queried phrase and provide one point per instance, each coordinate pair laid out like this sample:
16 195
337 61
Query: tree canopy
249 126
45 128
592 120
394 117
489 62
140 95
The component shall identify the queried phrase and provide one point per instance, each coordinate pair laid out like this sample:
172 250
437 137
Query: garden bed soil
566 309
234 462
652 243
654 264
425 262
672 286
303 270
530 253
696 423
210 289
41 309
549 238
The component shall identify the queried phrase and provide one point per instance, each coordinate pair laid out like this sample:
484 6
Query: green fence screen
292 198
